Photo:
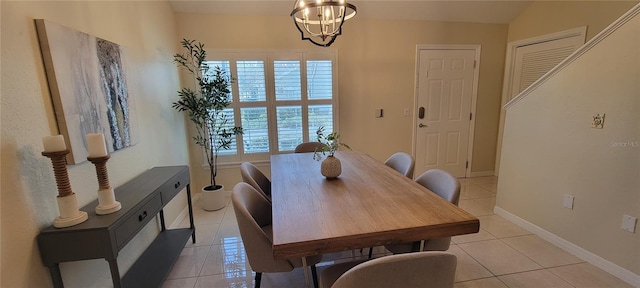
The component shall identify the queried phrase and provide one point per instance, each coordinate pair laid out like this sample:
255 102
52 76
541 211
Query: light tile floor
501 255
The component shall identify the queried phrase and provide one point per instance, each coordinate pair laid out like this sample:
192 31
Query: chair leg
314 274
258 279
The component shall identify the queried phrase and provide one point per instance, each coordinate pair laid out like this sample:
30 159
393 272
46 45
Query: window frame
269 57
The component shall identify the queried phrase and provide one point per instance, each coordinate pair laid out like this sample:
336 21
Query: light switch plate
379 113
567 202
598 121
629 223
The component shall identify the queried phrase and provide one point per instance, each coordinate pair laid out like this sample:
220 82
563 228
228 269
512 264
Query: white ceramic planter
213 199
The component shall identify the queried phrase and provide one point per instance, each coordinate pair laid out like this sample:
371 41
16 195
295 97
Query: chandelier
321 21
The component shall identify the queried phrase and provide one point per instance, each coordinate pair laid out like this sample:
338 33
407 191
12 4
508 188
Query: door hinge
467 165
470 116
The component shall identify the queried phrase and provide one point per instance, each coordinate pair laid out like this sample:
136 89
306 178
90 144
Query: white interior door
445 90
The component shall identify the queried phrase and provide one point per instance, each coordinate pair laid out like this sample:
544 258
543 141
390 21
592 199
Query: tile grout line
533 260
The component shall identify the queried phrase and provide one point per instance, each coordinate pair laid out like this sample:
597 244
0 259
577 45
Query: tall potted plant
205 106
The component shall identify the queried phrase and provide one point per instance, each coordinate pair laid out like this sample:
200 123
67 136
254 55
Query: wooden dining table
368 205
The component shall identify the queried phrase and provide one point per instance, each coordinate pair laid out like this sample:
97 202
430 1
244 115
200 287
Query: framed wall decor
88 85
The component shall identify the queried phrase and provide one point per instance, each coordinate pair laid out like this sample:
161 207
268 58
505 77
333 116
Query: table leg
306 271
314 274
162 224
56 277
190 205
421 245
115 273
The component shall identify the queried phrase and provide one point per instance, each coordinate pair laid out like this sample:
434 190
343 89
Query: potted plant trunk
331 167
205 106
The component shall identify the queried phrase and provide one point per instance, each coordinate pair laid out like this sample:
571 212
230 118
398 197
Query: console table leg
115 273
163 226
56 277
192 226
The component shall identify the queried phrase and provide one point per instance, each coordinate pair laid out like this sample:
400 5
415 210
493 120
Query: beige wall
376 62
550 150
147 31
545 17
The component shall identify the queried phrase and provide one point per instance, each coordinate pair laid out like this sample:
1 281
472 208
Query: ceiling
476 11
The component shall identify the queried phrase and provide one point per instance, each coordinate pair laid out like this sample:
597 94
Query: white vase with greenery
331 167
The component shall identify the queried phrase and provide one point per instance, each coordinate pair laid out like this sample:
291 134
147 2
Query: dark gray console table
103 236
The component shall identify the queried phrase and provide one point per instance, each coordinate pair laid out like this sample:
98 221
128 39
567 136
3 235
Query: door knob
422 125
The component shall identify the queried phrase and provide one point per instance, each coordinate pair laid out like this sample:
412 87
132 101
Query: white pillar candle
53 143
97 147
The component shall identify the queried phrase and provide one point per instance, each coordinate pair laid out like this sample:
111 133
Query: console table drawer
141 217
174 185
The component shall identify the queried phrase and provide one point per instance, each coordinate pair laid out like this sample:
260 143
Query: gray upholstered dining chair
412 270
444 185
253 214
401 162
254 177
308 147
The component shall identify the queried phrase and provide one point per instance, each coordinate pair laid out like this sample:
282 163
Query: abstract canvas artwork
88 85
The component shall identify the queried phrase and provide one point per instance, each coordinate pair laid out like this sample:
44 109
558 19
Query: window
279 98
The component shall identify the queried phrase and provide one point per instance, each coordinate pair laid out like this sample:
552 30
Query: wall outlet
629 223
567 202
406 111
598 121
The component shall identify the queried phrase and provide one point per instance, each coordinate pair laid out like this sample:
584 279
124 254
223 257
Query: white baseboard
611 268
482 174
184 213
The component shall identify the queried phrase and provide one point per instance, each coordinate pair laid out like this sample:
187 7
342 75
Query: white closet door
530 59
534 60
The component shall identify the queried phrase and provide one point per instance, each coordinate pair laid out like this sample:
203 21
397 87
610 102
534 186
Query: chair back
253 213
441 183
401 162
254 177
309 147
447 187
412 270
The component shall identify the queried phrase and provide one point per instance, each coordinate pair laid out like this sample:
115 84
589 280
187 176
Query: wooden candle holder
101 170
67 202
59 162
107 203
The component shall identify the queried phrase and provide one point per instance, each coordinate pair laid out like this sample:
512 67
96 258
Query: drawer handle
142 216
177 185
